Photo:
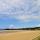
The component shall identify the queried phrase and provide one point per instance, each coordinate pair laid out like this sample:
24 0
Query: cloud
38 25
27 17
38 2
7 4
11 26
23 10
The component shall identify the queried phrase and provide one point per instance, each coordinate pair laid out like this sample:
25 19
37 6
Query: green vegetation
8 31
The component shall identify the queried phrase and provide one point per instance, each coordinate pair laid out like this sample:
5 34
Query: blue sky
19 13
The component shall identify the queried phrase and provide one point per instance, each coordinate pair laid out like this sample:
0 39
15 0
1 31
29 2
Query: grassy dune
19 35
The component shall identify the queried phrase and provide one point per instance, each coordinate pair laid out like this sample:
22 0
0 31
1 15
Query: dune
20 35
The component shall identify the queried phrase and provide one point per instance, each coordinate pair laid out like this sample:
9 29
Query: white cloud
38 2
27 17
38 25
6 4
23 10
11 26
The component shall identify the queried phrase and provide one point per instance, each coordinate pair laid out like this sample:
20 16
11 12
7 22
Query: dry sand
20 35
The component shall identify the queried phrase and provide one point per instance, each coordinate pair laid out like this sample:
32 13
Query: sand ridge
20 35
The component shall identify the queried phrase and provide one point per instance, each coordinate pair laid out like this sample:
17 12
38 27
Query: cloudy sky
19 13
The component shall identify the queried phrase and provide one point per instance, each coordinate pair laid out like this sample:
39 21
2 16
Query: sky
19 13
